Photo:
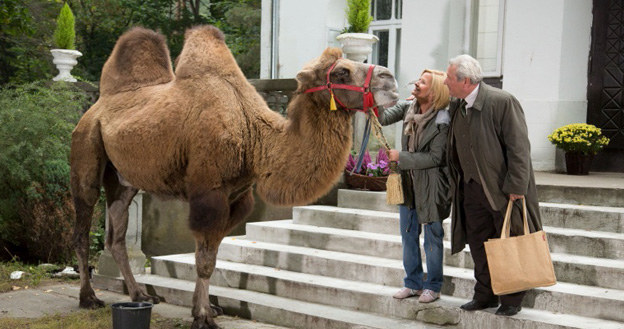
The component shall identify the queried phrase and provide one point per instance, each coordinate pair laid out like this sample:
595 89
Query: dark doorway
605 92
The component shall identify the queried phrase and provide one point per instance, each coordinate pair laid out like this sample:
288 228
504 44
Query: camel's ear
304 76
333 53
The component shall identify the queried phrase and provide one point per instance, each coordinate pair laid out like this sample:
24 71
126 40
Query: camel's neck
302 162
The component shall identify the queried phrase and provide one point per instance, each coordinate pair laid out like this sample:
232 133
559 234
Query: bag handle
506 231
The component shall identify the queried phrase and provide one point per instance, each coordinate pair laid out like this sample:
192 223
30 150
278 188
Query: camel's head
346 72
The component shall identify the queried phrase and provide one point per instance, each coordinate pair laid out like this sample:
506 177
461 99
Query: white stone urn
65 60
357 46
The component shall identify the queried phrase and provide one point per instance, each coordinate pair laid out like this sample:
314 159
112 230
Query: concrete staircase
337 267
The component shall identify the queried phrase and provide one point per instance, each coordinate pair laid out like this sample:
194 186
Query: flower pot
65 60
357 46
363 182
132 315
578 163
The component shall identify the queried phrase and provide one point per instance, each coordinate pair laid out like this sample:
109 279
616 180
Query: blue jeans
434 251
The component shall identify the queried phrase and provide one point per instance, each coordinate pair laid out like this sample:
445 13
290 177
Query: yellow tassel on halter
332 102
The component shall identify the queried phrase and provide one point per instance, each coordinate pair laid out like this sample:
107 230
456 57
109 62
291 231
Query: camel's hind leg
211 218
87 166
118 199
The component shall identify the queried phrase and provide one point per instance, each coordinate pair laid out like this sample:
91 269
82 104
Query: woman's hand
393 155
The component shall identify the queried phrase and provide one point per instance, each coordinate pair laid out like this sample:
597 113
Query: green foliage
33 275
65 35
24 27
36 121
358 16
242 30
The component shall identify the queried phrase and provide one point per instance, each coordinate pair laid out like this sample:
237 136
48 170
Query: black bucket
132 315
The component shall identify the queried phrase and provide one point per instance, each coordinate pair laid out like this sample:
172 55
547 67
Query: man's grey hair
467 67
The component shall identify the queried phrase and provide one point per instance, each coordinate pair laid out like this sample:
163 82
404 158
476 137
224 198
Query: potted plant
370 175
580 142
357 44
65 53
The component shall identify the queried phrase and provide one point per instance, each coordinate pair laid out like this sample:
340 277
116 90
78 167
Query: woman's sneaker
406 293
428 296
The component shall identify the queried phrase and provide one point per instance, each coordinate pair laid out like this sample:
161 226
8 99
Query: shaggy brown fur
204 135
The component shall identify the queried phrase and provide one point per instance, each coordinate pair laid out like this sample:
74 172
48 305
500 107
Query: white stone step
267 308
599 272
459 282
607 218
574 241
595 218
377 298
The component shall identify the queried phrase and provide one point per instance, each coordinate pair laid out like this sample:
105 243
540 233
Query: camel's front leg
212 218
118 198
209 214
205 259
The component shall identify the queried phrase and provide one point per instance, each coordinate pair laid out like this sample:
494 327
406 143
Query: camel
203 134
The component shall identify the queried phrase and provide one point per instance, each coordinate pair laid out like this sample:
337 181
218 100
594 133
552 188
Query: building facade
562 59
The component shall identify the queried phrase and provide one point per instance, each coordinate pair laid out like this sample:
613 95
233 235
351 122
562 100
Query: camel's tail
140 58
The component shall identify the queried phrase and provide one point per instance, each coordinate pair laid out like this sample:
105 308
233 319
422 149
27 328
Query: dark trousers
483 223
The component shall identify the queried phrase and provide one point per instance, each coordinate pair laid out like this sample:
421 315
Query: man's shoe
508 310
428 296
475 305
406 293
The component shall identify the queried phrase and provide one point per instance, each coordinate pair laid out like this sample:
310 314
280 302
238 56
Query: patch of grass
92 319
32 277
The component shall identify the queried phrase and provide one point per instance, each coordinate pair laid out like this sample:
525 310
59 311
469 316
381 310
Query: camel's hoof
216 310
146 298
204 323
91 303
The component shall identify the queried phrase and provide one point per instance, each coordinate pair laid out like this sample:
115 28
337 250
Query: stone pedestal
357 47
136 257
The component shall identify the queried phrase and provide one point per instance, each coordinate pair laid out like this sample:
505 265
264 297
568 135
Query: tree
26 26
64 34
24 31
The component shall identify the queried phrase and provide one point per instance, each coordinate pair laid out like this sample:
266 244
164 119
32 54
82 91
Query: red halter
368 100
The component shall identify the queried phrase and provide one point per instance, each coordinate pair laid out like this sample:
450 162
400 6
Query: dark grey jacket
427 165
500 146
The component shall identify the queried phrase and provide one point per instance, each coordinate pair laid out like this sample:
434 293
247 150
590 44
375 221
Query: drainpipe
274 38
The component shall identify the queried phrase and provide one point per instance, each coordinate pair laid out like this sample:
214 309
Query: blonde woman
422 161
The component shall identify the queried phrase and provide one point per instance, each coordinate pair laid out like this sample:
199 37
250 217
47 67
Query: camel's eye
341 74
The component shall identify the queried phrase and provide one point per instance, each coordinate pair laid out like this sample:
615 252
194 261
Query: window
386 25
487 35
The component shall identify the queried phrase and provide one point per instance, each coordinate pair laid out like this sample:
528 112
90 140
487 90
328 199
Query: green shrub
65 35
358 16
36 212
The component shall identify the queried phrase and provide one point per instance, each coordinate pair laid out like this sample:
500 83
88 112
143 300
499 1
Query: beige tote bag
521 262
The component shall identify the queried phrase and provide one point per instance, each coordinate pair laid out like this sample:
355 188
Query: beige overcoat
500 146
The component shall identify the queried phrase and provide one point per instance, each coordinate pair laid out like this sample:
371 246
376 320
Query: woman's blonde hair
439 91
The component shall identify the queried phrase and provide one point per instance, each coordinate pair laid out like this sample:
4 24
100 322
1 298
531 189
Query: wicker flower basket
363 182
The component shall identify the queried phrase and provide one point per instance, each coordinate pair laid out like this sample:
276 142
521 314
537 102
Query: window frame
474 32
392 25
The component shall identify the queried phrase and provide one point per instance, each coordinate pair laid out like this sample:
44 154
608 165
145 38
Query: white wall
304 32
545 52
545 63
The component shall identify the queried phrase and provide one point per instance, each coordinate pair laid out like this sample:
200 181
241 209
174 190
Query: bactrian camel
203 134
